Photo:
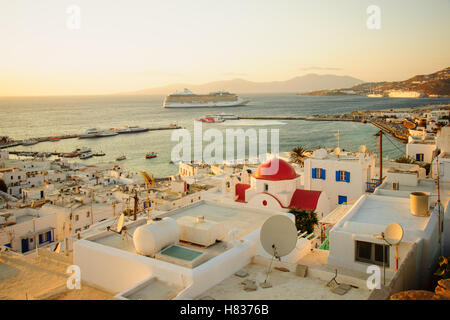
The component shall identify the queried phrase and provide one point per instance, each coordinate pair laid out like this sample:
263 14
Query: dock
72 136
397 131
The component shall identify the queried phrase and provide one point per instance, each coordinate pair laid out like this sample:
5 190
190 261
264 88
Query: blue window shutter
347 176
338 175
342 199
314 173
40 238
323 174
417 156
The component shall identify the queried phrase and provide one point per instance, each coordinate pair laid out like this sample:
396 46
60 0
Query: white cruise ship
187 99
405 94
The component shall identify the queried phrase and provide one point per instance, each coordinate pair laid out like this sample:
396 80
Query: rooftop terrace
285 285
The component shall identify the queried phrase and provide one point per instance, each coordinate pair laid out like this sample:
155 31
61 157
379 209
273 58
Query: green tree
305 220
404 159
443 270
298 155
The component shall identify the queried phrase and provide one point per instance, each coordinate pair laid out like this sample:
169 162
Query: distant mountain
434 84
304 83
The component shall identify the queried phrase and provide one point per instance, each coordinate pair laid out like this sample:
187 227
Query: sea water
27 117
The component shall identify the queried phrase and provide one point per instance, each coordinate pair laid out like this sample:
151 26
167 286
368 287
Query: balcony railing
372 185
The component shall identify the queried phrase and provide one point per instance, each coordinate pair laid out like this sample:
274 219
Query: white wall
359 173
427 149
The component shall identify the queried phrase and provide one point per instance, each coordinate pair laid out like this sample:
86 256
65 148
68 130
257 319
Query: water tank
419 203
155 236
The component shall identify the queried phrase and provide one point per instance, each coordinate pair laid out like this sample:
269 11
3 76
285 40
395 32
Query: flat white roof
373 213
246 219
285 285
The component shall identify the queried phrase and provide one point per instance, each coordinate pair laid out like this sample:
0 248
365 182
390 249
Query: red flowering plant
305 220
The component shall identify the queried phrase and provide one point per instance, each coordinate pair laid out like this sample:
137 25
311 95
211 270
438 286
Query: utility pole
438 201
92 211
135 203
380 134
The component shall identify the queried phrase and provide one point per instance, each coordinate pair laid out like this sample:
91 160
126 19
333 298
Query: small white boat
29 142
228 116
89 133
86 155
107 133
211 119
81 150
131 129
122 157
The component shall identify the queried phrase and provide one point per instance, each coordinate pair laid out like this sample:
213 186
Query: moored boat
107 133
131 129
151 155
211 119
89 133
120 158
29 142
86 155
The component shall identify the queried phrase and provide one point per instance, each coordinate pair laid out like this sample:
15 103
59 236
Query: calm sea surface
47 116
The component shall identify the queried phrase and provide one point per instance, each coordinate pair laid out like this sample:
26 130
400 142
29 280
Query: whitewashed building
17 179
281 189
343 176
421 148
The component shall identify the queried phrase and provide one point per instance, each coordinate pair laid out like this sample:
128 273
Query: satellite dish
120 223
393 234
278 236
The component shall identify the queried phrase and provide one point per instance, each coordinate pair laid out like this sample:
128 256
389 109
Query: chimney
419 203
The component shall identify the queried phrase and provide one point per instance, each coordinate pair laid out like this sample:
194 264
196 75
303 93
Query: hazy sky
136 44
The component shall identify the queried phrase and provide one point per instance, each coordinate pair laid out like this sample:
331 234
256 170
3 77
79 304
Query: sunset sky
136 44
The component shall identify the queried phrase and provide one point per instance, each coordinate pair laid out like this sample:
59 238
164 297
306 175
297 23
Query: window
318 173
266 187
372 253
343 176
87 214
77 217
342 199
419 156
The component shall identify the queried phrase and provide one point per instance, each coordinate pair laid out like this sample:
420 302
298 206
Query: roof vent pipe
419 203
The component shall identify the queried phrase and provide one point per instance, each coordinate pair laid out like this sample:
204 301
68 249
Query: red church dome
285 171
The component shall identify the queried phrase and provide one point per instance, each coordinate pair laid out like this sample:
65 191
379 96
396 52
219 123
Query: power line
393 143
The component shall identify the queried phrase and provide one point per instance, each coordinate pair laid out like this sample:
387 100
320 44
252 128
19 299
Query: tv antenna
392 235
278 238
